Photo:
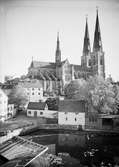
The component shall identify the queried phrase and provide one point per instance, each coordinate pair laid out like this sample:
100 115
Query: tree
98 92
52 103
18 96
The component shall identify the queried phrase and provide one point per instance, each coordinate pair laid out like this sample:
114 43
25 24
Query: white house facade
3 105
11 110
39 109
72 113
33 90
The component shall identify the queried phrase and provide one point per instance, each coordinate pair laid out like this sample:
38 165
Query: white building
33 89
3 105
11 110
72 113
40 109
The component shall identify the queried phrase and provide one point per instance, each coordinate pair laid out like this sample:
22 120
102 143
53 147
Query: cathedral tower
97 56
58 52
86 57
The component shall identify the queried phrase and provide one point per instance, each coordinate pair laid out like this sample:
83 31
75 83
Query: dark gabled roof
39 64
36 105
72 106
8 86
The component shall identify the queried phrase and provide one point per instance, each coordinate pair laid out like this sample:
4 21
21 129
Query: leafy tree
52 103
18 96
98 92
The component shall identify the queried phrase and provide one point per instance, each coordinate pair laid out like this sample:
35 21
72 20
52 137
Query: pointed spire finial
97 45
97 8
32 65
86 46
86 17
58 36
58 52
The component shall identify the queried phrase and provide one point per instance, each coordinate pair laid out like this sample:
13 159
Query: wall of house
34 94
3 105
42 113
11 110
71 118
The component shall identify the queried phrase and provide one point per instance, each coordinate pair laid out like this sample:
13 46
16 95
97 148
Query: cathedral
54 76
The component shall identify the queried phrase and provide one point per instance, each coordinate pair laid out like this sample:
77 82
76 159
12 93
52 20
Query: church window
94 62
89 63
101 61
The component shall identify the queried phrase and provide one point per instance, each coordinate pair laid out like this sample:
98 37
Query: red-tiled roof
72 106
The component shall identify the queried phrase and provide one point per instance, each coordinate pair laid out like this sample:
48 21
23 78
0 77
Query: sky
28 28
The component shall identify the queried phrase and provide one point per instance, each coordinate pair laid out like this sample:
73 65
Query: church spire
32 65
86 45
97 45
58 51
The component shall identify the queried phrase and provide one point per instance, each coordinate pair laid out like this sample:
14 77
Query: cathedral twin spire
58 51
97 44
86 46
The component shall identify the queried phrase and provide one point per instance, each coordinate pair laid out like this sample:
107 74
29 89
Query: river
80 149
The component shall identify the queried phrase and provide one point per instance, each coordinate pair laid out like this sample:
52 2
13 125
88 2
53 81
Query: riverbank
23 125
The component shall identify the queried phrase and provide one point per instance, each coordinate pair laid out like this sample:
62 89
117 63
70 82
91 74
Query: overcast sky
29 28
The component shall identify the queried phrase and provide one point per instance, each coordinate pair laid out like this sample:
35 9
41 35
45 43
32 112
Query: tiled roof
36 105
72 106
31 84
39 64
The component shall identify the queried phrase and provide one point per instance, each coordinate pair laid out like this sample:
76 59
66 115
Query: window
66 118
75 119
41 113
94 62
27 93
29 112
89 63
65 112
32 88
33 93
101 61
39 93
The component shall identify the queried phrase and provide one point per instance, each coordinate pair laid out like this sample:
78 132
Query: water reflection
83 149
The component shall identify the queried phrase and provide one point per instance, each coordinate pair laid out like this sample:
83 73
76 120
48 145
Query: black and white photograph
59 83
